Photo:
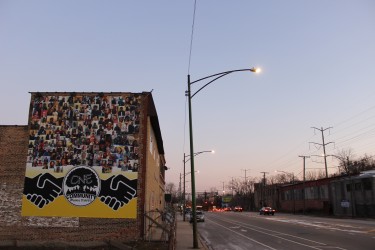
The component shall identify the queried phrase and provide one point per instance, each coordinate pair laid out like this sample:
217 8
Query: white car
200 216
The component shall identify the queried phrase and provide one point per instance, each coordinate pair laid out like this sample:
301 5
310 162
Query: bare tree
283 178
315 175
345 157
349 165
321 174
170 188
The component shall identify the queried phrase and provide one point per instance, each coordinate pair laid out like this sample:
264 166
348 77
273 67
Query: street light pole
195 236
195 154
184 201
190 95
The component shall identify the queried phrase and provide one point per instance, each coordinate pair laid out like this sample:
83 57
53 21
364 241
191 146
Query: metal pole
304 183
352 199
195 236
324 151
294 197
232 188
216 77
180 190
184 204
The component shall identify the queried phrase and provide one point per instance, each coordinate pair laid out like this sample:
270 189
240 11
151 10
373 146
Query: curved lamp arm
198 153
219 75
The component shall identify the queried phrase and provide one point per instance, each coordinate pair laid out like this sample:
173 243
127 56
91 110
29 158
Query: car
187 210
227 209
267 211
237 209
200 216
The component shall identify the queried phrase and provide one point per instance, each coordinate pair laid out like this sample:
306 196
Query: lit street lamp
184 160
190 96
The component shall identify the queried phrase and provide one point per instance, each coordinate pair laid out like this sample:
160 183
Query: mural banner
83 155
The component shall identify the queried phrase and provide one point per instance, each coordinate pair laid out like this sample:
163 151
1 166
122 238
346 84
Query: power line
355 116
192 35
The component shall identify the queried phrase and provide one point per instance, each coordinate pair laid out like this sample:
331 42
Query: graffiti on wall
82 156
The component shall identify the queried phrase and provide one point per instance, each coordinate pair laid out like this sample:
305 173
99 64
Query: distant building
351 196
87 167
355 195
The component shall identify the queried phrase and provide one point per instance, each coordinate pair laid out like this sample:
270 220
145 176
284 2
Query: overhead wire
189 62
192 36
290 164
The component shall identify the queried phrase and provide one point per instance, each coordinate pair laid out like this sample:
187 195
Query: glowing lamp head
255 70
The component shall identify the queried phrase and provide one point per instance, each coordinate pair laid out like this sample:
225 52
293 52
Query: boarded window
358 186
348 188
367 184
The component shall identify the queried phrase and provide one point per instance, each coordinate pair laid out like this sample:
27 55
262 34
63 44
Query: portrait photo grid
84 130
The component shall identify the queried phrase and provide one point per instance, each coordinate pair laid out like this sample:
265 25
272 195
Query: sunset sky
317 59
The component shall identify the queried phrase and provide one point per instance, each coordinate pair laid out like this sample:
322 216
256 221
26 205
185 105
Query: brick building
354 196
351 196
63 135
311 196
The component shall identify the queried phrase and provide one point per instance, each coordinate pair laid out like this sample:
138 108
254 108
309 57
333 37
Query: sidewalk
184 235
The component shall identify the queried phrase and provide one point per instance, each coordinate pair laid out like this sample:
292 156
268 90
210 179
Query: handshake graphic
42 189
118 191
115 192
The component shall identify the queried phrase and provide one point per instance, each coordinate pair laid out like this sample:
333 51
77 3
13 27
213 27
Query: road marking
274 235
322 225
276 232
334 248
260 243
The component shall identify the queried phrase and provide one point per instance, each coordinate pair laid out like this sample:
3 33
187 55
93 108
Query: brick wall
13 152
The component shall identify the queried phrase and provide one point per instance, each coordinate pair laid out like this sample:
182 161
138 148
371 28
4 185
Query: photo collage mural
82 155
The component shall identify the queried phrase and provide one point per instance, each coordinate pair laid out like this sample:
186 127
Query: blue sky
317 60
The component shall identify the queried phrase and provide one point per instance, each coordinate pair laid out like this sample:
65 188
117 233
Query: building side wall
14 142
154 185
13 152
354 197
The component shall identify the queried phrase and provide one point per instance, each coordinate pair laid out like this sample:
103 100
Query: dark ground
112 245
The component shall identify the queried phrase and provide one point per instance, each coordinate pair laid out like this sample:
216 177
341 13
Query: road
249 230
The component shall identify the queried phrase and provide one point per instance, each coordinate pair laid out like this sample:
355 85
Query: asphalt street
248 230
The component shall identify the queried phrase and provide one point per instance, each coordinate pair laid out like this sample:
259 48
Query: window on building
367 184
298 194
348 188
323 193
358 186
287 195
283 196
151 150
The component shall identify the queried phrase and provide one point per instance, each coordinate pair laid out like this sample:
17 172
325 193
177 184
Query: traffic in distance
201 217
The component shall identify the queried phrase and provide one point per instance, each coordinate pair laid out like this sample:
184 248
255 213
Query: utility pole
263 189
324 147
180 191
222 196
248 198
304 180
232 188
245 179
